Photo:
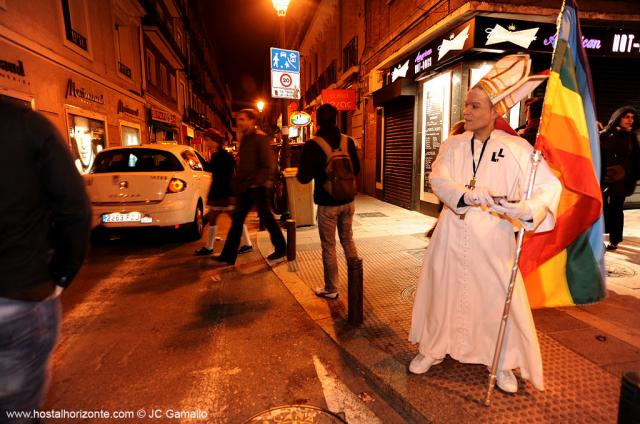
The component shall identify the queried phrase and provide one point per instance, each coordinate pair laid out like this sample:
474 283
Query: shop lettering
623 43
158 115
81 93
425 64
587 43
422 56
14 68
122 108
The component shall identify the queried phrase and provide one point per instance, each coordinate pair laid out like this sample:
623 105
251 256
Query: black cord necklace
472 183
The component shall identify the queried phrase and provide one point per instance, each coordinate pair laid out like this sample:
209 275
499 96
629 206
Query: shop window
87 138
130 136
76 25
151 67
163 79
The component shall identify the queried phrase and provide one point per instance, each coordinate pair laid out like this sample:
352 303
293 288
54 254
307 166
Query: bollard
291 244
356 294
629 407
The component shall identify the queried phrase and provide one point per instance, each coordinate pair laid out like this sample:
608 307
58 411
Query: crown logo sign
512 27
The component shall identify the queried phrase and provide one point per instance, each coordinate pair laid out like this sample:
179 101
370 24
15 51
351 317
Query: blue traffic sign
285 60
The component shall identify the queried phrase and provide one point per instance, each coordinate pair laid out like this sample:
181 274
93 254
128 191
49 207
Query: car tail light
176 186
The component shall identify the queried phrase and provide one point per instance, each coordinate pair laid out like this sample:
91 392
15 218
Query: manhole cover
296 414
371 215
617 269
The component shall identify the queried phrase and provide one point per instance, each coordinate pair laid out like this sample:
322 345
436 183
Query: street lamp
281 7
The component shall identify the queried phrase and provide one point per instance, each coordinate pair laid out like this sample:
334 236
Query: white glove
478 196
518 210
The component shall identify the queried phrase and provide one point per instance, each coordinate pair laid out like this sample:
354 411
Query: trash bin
301 206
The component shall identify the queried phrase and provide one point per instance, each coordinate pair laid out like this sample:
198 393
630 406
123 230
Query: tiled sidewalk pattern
391 242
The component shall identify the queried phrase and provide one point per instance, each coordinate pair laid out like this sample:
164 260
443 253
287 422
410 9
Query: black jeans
613 217
258 196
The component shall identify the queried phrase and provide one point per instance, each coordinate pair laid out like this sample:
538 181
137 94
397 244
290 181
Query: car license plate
121 217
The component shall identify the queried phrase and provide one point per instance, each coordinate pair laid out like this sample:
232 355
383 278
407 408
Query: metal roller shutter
398 152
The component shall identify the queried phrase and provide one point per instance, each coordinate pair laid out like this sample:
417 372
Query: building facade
87 66
417 59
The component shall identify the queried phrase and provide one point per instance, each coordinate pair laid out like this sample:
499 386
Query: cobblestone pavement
584 349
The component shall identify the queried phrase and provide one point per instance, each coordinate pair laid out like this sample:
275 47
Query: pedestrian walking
462 286
331 160
220 200
253 182
44 222
620 154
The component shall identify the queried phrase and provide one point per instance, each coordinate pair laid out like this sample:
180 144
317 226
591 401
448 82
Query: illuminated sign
300 119
342 99
455 42
162 116
400 71
503 35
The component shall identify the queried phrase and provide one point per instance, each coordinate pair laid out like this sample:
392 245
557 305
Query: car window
136 160
202 159
190 157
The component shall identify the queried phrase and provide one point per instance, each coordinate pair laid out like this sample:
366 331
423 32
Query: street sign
285 73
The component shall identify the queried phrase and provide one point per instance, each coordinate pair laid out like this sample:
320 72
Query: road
152 331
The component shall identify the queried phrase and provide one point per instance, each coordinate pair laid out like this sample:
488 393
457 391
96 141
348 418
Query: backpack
340 182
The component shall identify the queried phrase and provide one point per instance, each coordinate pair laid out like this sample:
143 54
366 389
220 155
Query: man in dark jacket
253 181
332 213
220 200
44 223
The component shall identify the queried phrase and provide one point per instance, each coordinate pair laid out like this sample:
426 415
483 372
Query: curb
384 372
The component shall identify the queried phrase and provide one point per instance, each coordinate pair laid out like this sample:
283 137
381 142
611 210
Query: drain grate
371 215
296 414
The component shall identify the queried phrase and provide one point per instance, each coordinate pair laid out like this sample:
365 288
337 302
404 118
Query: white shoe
421 363
507 381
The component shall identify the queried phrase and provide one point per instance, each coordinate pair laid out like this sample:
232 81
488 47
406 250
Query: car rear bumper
164 214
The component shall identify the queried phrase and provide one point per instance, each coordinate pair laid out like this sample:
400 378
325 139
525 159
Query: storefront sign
124 108
486 33
300 119
342 99
188 131
14 68
162 116
83 94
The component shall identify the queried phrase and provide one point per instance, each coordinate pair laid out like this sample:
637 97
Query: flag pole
535 160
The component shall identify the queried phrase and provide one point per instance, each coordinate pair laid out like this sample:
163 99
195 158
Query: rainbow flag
565 266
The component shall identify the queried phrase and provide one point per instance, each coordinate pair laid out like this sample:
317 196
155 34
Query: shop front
163 127
439 74
130 122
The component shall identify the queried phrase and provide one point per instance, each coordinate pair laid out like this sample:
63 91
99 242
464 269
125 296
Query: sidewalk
585 349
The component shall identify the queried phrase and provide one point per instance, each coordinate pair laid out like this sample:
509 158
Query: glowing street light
281 6
260 106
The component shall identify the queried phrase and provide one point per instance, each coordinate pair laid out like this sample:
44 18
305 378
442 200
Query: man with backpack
330 158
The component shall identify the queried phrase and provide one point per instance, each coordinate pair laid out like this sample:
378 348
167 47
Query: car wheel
196 228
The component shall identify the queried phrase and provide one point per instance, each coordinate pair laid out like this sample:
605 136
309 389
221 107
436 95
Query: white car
149 186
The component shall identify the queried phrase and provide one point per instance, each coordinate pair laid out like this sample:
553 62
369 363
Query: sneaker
612 246
421 363
203 251
507 381
277 256
327 294
245 249
221 261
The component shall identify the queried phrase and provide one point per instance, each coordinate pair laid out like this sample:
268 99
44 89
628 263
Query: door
398 168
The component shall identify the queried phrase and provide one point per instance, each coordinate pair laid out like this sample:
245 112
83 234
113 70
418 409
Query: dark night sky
242 31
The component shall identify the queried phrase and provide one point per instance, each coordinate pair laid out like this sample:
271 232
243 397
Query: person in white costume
481 178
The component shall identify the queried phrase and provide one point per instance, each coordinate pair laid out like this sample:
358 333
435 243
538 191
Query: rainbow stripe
565 266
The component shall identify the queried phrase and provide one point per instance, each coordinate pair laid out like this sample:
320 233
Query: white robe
463 282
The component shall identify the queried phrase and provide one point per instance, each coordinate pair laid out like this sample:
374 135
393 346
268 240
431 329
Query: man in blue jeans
332 213
44 222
